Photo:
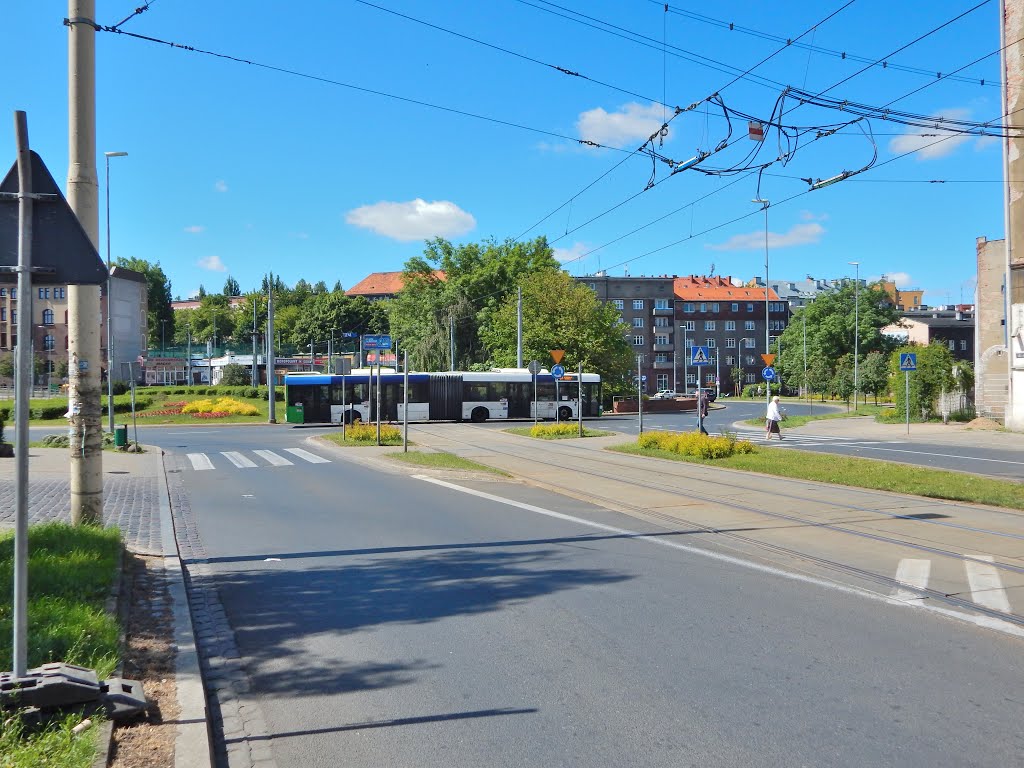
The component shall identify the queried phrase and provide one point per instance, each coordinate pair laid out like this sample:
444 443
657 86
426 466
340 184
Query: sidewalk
135 499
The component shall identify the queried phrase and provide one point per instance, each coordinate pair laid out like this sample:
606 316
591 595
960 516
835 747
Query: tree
329 315
234 375
231 287
842 379
559 313
201 293
158 294
874 374
933 375
337 287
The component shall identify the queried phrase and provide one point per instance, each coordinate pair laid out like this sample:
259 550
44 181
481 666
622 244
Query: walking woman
772 419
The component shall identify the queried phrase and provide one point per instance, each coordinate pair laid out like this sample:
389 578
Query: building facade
953 326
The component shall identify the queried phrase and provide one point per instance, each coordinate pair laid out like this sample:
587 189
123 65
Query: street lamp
856 329
764 204
110 333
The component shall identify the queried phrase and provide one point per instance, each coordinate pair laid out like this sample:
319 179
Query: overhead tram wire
815 48
516 54
361 89
140 10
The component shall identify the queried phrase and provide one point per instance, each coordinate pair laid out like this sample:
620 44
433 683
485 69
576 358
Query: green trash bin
120 435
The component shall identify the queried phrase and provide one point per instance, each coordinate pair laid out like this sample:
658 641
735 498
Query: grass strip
361 442
798 421
587 432
70 573
441 460
861 473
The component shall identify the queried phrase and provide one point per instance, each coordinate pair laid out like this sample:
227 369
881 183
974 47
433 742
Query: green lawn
441 460
70 573
861 473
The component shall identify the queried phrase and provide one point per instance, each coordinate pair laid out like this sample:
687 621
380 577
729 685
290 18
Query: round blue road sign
557 371
768 373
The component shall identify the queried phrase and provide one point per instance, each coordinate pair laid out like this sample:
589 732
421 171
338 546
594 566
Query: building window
963 345
638 341
748 325
735 307
3 314
44 293
750 307
691 378
661 357
14 293
749 378
638 322
662 322
662 381
638 303
47 317
709 379
661 339
690 325
730 361
703 306
58 293
14 315
709 325
730 325
617 303
661 303
750 359
710 343
688 342
591 286
687 307
715 306
952 345
730 343
748 343
48 343
3 291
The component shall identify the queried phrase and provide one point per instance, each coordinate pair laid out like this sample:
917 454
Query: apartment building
49 322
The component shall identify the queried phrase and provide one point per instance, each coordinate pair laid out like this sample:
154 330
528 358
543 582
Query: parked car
709 391
665 394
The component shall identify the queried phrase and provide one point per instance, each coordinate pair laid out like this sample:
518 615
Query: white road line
273 458
982 621
238 459
312 458
913 573
986 586
958 457
200 461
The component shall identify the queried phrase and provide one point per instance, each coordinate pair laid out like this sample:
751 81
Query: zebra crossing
984 584
201 462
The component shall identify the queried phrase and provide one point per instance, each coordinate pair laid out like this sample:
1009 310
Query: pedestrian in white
772 419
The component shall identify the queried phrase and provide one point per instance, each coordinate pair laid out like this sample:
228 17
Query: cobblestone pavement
239 729
129 494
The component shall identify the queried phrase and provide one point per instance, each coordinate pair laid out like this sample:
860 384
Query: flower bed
217 408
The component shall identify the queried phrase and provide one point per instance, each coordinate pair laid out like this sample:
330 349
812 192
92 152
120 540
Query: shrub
119 387
367 433
695 444
222 406
554 430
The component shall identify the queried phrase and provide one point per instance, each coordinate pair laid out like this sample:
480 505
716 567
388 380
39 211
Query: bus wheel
351 417
479 415
564 413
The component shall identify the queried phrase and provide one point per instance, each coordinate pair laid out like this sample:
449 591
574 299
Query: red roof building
382 285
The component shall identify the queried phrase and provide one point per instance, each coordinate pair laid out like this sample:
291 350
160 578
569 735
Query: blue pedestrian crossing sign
908 361
768 373
700 356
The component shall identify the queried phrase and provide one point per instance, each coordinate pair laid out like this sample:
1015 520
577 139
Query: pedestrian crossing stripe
201 462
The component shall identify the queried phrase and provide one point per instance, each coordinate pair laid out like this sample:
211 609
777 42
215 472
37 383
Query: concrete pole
519 329
86 430
451 343
405 402
188 353
856 332
271 360
639 397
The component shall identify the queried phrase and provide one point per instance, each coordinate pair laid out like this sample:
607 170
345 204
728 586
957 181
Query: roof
233 301
383 284
127 274
965 322
717 288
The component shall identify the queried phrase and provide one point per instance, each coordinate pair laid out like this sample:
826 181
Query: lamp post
764 204
110 333
856 330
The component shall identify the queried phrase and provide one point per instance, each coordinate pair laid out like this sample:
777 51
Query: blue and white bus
501 393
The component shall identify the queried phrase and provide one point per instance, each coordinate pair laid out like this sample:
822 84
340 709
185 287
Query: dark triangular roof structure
61 250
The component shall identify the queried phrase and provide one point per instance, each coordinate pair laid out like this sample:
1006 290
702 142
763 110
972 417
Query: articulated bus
501 393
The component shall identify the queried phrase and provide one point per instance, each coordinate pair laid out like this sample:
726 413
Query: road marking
913 573
986 586
200 461
958 457
312 458
273 458
238 459
982 621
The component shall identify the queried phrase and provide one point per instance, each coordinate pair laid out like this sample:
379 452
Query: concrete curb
193 743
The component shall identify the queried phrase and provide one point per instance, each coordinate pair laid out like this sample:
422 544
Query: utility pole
271 358
255 379
85 425
188 352
519 328
451 343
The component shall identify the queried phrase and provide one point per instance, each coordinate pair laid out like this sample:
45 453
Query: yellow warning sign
557 355
768 359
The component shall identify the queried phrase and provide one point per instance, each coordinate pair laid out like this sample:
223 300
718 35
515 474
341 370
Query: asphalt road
387 620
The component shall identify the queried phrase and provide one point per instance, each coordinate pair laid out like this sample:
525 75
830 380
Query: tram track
550 459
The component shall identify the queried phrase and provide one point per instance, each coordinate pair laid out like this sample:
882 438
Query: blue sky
240 169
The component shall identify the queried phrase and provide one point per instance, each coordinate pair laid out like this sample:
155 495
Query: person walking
703 406
772 419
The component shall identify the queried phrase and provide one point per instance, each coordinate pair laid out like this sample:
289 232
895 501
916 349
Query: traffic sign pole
639 395
906 375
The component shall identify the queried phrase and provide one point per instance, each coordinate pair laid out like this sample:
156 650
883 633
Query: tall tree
329 315
201 294
559 313
231 287
159 315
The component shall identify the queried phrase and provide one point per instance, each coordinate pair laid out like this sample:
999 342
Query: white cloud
413 220
564 255
984 142
195 229
808 216
300 235
221 185
931 143
632 124
212 263
902 279
799 234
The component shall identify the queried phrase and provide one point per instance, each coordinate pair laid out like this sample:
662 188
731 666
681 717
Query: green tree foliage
231 287
841 384
7 365
559 313
158 292
201 293
234 375
329 315
874 374
934 374
478 278
830 330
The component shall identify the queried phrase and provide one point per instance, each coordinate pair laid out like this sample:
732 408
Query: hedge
57 407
